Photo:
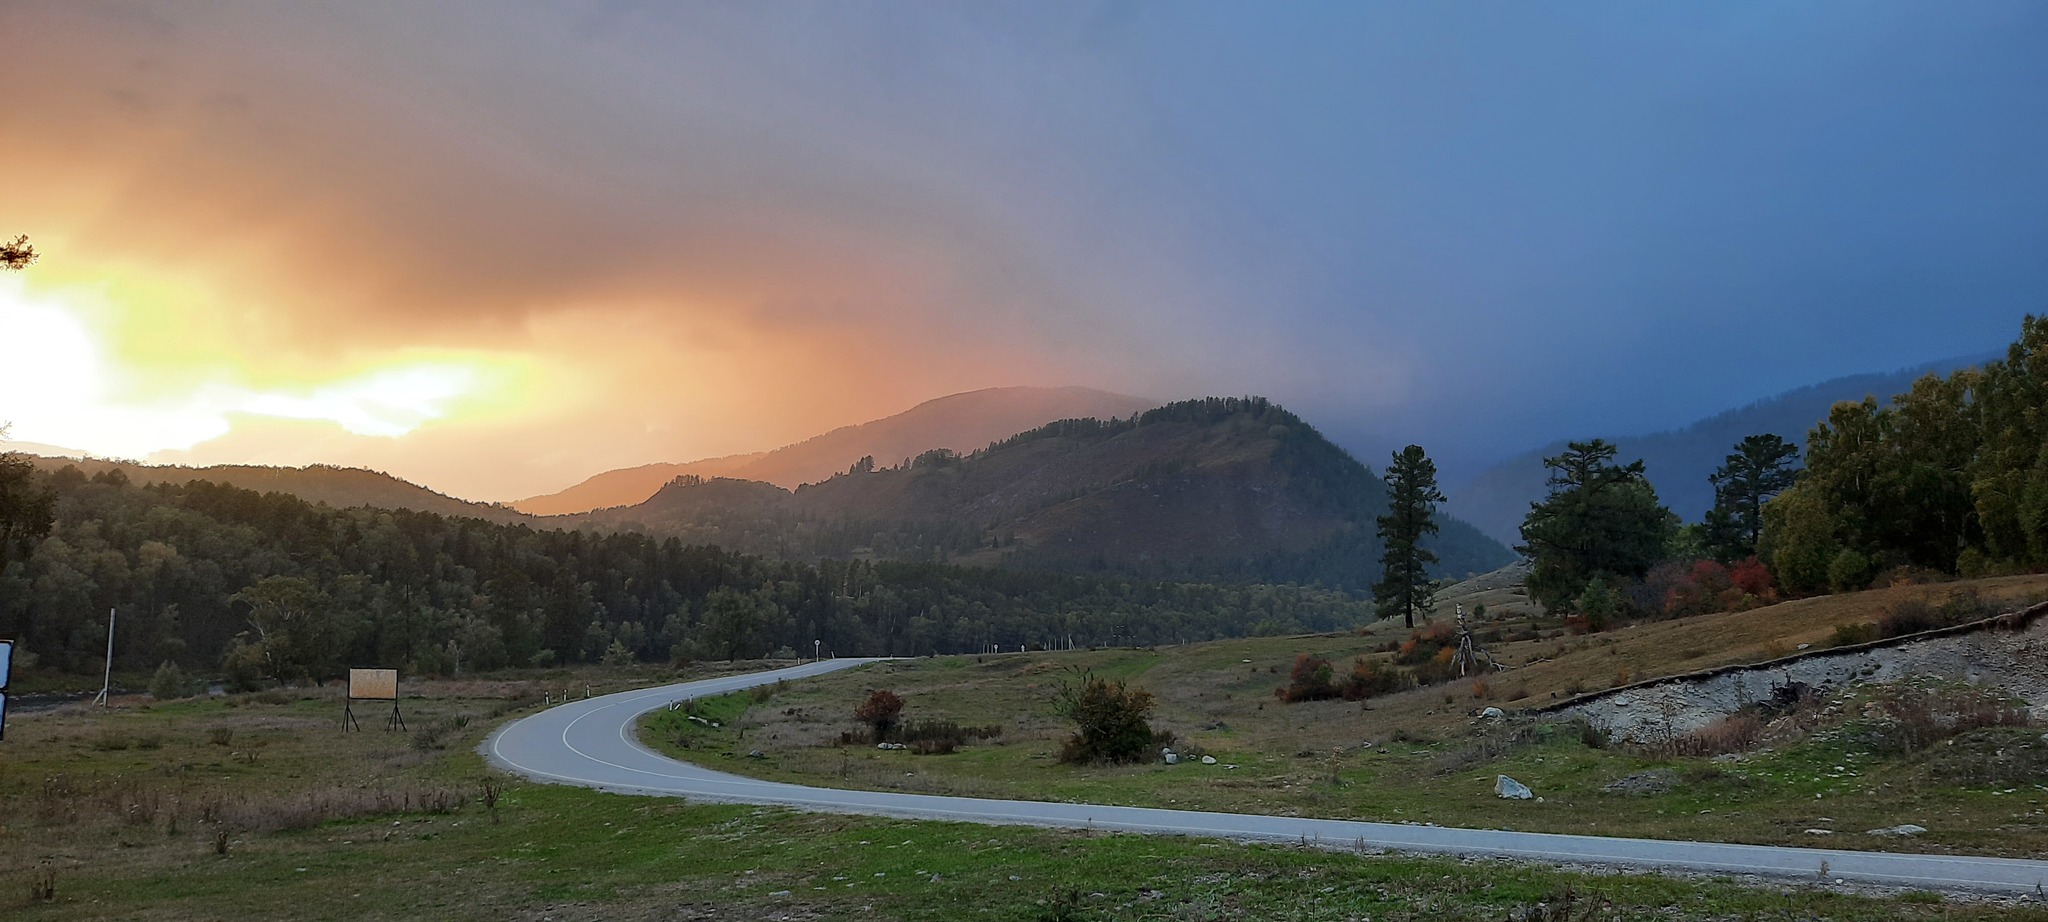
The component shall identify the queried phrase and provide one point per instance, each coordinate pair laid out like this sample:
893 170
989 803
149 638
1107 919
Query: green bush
1112 719
1849 571
169 683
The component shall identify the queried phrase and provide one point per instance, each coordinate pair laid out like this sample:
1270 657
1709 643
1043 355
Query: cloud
714 228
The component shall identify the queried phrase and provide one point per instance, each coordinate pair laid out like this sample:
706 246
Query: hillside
961 422
1678 460
1231 489
340 487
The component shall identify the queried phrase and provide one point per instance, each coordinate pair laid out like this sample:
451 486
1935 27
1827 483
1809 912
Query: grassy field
1421 756
256 806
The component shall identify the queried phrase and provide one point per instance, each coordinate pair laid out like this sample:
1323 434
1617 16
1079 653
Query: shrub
169 683
1849 571
1847 635
1733 733
1369 679
880 712
1919 717
1312 679
930 737
1908 616
1112 721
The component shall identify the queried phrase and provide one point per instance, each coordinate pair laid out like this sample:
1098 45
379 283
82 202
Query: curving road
591 743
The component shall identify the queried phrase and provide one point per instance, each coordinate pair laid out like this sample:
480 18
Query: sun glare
62 383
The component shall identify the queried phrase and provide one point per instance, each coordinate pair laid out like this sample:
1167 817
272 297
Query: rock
1644 783
1492 714
1806 646
1820 832
891 746
1172 758
1903 830
1511 789
756 754
780 893
1622 701
1208 760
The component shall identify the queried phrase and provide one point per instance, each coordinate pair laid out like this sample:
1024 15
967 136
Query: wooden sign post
371 685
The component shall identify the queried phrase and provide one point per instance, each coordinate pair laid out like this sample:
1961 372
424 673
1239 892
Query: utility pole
107 681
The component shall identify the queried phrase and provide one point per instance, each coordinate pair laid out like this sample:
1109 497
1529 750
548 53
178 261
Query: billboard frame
371 685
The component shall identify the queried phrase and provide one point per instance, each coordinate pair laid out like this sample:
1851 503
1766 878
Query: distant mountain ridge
960 422
1678 461
1234 489
340 487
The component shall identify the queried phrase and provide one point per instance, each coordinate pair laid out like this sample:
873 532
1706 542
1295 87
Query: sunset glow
499 248
74 385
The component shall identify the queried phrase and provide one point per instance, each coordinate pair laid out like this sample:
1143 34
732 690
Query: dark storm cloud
1476 227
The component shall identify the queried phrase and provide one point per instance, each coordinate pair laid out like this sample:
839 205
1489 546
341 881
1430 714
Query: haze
497 247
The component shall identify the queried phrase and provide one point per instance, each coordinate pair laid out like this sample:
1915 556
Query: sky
496 247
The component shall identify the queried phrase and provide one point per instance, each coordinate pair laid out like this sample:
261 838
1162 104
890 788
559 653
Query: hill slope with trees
1233 489
1679 461
960 422
277 588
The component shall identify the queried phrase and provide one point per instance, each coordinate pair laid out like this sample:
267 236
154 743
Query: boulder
1208 760
756 754
1654 781
1511 789
1492 714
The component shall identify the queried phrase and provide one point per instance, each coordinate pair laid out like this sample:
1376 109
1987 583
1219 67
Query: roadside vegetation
257 806
1963 762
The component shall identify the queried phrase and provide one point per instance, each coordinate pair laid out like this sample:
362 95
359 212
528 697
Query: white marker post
107 680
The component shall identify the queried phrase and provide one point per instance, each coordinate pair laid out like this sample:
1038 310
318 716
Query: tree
880 712
16 254
27 510
1760 468
1404 585
297 631
1111 720
1600 520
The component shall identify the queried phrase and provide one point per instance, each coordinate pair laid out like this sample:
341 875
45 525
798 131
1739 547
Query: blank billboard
379 684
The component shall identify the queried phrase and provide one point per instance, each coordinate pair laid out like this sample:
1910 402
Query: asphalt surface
591 743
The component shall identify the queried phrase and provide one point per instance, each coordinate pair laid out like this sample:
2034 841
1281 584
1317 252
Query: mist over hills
1232 489
1678 460
960 422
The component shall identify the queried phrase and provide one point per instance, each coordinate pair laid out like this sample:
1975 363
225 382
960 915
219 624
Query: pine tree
1761 467
1404 585
1600 520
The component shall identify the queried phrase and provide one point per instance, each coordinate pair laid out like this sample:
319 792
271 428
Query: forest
273 588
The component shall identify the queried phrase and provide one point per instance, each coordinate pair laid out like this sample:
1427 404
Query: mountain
340 487
1678 460
961 422
1232 489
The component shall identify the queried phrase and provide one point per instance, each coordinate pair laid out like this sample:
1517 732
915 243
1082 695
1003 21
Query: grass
124 814
1430 760
567 853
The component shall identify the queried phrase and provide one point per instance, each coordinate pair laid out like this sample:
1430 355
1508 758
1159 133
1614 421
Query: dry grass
1220 695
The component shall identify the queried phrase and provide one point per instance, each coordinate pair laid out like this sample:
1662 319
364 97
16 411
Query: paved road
591 743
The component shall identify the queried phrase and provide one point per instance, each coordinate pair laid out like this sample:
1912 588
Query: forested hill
957 421
274 587
1678 461
1233 489
340 487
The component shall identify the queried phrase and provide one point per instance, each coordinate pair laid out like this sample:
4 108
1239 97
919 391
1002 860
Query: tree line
270 587
1950 477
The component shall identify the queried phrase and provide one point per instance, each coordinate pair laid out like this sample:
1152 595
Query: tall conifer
1412 496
